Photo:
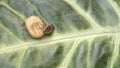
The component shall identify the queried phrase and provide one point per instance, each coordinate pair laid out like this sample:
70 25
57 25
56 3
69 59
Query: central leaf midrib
52 41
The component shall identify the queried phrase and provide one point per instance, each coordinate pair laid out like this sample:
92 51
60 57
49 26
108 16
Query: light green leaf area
87 34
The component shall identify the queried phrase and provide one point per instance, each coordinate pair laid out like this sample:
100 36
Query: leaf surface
86 34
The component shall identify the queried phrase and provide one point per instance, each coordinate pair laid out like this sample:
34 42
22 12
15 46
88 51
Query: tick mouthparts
48 29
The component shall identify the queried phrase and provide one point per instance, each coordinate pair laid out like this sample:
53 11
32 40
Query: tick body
37 28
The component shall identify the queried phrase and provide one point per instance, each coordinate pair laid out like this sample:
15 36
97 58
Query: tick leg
48 29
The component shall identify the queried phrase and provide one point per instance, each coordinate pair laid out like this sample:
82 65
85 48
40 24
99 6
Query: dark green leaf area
101 11
79 59
118 2
47 58
102 50
10 60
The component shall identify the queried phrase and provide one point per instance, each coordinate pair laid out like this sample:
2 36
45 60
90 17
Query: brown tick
37 28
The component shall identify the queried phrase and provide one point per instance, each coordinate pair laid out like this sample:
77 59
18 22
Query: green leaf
87 34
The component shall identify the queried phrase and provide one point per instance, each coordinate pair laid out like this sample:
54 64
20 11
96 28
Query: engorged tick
37 28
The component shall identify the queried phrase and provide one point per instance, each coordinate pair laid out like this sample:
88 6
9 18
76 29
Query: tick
37 28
